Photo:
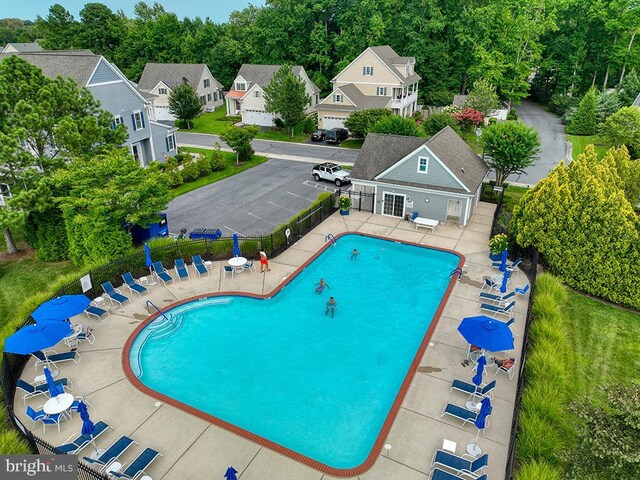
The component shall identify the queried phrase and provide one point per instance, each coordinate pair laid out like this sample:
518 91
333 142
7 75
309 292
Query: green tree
396 125
360 122
239 140
58 29
100 30
437 121
511 148
482 97
629 88
584 120
623 128
184 103
286 96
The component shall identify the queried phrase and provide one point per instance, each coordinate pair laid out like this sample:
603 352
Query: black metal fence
219 249
361 201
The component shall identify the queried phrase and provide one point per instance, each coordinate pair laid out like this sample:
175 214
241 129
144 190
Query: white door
333 122
136 151
454 208
393 205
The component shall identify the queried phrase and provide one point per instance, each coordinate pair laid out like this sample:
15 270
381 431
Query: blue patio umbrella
236 246
147 256
486 333
230 474
481 423
477 378
32 338
61 308
54 390
505 280
503 260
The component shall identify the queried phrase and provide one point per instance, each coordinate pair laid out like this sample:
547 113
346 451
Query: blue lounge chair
72 447
35 390
497 309
181 269
53 357
137 467
496 298
96 312
199 265
437 474
522 290
114 294
162 273
116 449
472 390
133 285
45 419
510 266
461 413
460 465
490 285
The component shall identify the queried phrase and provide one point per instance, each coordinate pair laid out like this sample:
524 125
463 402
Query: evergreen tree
623 128
482 97
184 103
629 88
584 120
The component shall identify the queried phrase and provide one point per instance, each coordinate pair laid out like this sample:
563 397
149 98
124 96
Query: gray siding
436 175
160 142
103 74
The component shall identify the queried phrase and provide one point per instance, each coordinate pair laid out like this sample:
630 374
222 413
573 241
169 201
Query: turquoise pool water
282 370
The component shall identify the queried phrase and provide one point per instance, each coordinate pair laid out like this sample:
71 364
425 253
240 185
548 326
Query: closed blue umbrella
477 378
236 246
503 260
486 333
505 280
32 338
230 474
147 256
481 423
87 425
54 390
61 308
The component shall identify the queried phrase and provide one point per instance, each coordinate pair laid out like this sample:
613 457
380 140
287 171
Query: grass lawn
214 122
230 170
283 136
579 144
352 143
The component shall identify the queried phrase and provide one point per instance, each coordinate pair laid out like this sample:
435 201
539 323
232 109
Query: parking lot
253 202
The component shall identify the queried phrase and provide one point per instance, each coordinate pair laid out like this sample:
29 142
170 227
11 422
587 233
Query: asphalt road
284 150
252 202
553 142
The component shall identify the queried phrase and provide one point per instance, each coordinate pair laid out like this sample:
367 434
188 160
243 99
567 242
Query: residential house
148 140
377 78
440 178
22 48
159 79
246 97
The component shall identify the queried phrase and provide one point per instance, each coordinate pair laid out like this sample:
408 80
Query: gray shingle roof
459 100
389 57
75 64
364 101
379 152
262 74
25 47
172 74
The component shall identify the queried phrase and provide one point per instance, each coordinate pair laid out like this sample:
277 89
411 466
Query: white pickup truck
331 172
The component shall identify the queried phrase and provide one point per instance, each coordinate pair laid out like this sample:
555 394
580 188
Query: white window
367 70
381 91
257 94
423 164
162 91
206 83
215 96
171 142
203 99
337 98
138 122
208 97
117 120
241 86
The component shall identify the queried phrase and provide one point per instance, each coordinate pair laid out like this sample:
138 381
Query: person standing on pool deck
331 306
264 262
354 254
320 286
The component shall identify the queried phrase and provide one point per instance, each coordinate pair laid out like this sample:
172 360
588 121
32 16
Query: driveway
553 142
274 149
253 202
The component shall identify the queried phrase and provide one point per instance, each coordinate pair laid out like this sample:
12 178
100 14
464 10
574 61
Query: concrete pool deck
195 449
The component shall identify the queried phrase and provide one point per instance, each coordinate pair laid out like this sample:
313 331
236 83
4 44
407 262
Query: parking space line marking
300 196
234 231
267 221
280 206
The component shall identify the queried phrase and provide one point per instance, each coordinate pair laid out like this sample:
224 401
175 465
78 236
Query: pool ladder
330 238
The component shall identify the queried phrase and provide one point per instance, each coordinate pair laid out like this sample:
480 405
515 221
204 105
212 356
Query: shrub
498 244
560 102
512 115
190 171
11 443
396 125
278 122
361 122
538 470
204 165
584 120
437 121
493 121
310 123
217 163
174 178
468 118
344 203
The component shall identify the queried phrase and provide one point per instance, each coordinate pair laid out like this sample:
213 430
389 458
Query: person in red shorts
263 262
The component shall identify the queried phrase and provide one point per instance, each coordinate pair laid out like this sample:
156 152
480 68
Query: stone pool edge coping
395 406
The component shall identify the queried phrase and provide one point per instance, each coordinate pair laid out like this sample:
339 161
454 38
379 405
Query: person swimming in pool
331 306
354 254
320 286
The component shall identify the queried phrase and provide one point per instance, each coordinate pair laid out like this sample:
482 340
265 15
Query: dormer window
206 83
423 164
337 98
241 86
367 70
381 91
162 91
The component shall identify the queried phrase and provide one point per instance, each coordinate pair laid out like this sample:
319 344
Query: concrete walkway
195 449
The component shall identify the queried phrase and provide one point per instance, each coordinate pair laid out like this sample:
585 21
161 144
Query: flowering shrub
469 117
498 244
451 109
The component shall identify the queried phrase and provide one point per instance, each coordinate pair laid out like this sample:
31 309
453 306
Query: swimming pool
320 387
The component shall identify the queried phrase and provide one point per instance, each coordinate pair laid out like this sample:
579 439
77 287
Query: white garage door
255 117
333 122
163 113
